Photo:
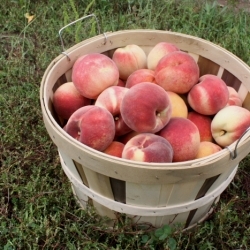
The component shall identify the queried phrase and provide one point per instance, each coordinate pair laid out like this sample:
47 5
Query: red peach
203 123
184 137
147 147
111 99
207 148
94 72
115 149
158 51
151 109
177 72
93 126
128 59
125 138
140 75
208 96
67 99
234 97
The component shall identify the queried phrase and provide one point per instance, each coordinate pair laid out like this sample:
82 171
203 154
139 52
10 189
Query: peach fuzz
207 148
203 123
111 99
115 149
140 75
234 97
148 147
179 107
158 51
151 108
184 137
128 59
67 99
177 72
229 124
209 95
94 72
93 126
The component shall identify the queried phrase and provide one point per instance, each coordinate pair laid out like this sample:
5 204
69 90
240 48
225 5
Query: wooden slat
246 102
81 173
184 192
118 189
207 66
200 213
98 182
81 198
242 91
231 80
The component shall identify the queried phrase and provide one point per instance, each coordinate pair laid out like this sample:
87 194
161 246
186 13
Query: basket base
110 223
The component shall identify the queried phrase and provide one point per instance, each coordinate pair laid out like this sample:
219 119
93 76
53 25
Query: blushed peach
184 137
148 147
146 107
207 148
234 97
111 99
93 126
177 72
140 75
208 96
203 123
115 149
229 124
158 51
67 99
94 72
128 59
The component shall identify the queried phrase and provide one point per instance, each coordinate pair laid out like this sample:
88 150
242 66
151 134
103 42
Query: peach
128 59
125 138
229 124
94 72
203 123
184 137
115 149
140 75
93 126
121 83
67 99
158 51
111 99
209 95
177 72
234 97
179 107
146 108
207 148
148 147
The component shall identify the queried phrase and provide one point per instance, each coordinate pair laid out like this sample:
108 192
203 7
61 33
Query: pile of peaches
152 107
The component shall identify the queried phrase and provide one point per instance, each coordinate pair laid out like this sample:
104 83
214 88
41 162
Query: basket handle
66 26
233 153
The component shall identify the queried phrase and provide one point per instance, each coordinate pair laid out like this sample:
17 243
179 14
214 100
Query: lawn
37 208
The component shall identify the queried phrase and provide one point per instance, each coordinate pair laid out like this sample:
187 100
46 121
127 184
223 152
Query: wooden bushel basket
155 193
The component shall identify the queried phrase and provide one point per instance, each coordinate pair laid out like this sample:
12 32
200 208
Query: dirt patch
240 4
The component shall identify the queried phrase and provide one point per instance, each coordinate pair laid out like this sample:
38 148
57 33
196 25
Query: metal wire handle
234 152
66 26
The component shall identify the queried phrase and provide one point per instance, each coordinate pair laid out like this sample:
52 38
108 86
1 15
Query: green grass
37 208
